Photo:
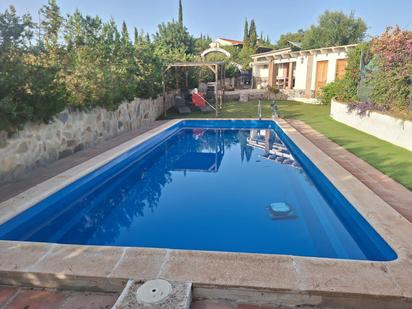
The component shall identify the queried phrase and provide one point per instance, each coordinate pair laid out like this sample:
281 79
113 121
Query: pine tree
246 38
253 34
180 12
51 23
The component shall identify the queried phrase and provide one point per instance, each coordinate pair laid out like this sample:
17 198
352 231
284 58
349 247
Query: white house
299 73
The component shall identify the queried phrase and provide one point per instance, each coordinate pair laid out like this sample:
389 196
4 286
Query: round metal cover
281 207
153 291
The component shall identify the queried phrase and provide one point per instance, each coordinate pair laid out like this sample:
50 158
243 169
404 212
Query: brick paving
209 304
393 193
42 173
27 298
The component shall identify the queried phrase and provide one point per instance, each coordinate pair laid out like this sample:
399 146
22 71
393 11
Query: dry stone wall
71 131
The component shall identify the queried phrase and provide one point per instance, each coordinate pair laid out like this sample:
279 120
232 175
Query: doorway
321 75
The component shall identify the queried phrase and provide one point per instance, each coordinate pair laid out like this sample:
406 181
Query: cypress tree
246 38
180 12
252 34
125 33
136 36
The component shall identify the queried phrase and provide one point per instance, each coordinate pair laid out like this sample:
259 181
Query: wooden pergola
213 66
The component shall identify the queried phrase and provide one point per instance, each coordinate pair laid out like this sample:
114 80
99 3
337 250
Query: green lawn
393 161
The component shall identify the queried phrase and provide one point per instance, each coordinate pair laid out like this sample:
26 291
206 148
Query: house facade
300 73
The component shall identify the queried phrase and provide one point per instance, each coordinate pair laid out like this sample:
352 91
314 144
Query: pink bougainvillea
395 46
391 80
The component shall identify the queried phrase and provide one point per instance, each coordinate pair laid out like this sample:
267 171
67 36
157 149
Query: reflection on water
273 147
207 157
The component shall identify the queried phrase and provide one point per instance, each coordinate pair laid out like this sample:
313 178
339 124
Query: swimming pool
236 186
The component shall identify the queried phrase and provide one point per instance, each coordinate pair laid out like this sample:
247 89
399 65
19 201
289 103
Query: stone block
71 143
22 147
244 97
63 116
78 148
65 153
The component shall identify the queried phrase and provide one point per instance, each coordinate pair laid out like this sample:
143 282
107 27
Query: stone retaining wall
71 131
393 130
253 94
264 94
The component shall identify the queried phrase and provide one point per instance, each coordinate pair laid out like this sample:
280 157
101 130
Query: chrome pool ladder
260 110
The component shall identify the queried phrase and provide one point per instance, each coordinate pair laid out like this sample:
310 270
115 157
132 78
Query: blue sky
225 18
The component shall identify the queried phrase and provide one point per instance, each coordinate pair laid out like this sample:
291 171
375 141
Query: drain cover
153 291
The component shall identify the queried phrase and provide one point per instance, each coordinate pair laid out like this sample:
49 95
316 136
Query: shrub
362 108
390 81
331 90
273 89
386 81
28 92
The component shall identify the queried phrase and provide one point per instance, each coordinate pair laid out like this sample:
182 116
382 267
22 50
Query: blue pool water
238 186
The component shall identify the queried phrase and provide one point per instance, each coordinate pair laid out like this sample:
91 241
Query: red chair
198 99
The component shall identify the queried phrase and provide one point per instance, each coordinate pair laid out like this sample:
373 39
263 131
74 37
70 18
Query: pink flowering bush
391 80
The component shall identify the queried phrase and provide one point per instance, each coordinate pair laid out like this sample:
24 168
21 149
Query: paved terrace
26 298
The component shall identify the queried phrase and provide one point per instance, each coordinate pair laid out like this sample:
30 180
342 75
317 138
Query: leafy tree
246 38
245 56
284 39
28 88
202 43
334 28
253 34
173 36
15 31
80 31
150 67
173 43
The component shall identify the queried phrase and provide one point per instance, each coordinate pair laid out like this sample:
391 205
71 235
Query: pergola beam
213 66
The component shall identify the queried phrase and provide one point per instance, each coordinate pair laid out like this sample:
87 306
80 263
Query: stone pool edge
106 268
